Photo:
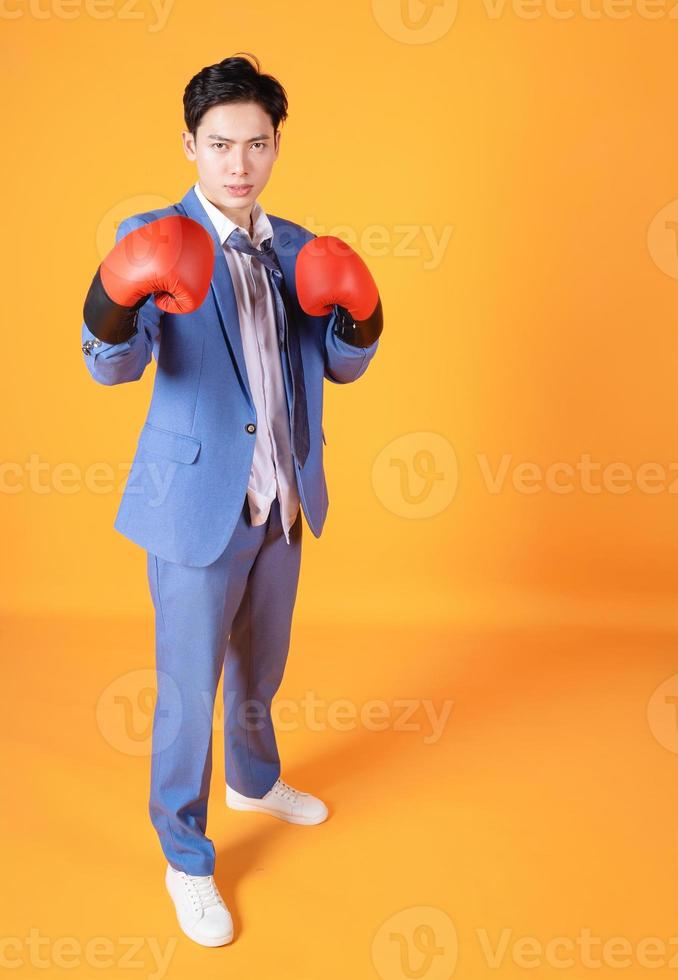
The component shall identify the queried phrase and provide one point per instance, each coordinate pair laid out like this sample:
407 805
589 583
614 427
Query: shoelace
285 791
203 890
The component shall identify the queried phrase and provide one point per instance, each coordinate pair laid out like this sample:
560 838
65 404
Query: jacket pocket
169 444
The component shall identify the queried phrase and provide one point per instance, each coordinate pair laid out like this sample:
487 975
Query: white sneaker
281 801
201 911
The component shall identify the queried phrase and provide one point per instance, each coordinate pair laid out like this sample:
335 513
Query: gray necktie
288 340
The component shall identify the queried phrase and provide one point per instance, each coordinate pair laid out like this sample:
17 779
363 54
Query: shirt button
251 427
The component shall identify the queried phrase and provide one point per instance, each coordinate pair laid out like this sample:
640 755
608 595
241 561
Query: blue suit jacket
191 469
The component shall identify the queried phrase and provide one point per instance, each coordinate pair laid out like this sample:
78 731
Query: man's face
234 146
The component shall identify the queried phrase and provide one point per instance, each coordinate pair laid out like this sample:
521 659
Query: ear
278 136
188 144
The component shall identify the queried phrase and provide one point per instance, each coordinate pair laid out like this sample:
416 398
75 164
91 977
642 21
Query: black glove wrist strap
107 320
358 333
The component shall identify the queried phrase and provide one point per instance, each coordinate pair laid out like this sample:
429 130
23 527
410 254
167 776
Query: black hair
233 80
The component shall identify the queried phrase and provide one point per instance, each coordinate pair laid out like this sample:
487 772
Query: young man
246 314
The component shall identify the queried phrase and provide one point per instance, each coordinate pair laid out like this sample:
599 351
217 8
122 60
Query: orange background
543 150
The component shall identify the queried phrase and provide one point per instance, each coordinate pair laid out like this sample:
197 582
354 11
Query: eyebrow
226 139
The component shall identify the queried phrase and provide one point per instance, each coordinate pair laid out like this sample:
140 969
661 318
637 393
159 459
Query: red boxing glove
171 258
329 273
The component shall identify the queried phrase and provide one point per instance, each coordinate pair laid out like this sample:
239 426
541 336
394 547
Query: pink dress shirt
272 473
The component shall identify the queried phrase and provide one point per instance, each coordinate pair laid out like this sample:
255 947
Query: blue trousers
234 614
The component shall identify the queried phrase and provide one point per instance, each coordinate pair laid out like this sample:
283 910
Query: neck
239 216
241 219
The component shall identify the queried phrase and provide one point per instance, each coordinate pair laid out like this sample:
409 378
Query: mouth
239 190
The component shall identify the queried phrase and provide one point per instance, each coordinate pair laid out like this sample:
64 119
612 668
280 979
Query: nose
238 161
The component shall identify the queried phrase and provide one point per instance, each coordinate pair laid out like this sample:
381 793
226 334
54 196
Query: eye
257 144
218 144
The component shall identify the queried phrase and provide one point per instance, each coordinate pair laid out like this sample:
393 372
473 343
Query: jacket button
251 427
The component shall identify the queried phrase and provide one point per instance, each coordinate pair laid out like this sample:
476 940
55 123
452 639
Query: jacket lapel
222 290
286 247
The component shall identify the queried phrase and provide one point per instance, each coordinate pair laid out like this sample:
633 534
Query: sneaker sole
201 940
305 821
219 941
